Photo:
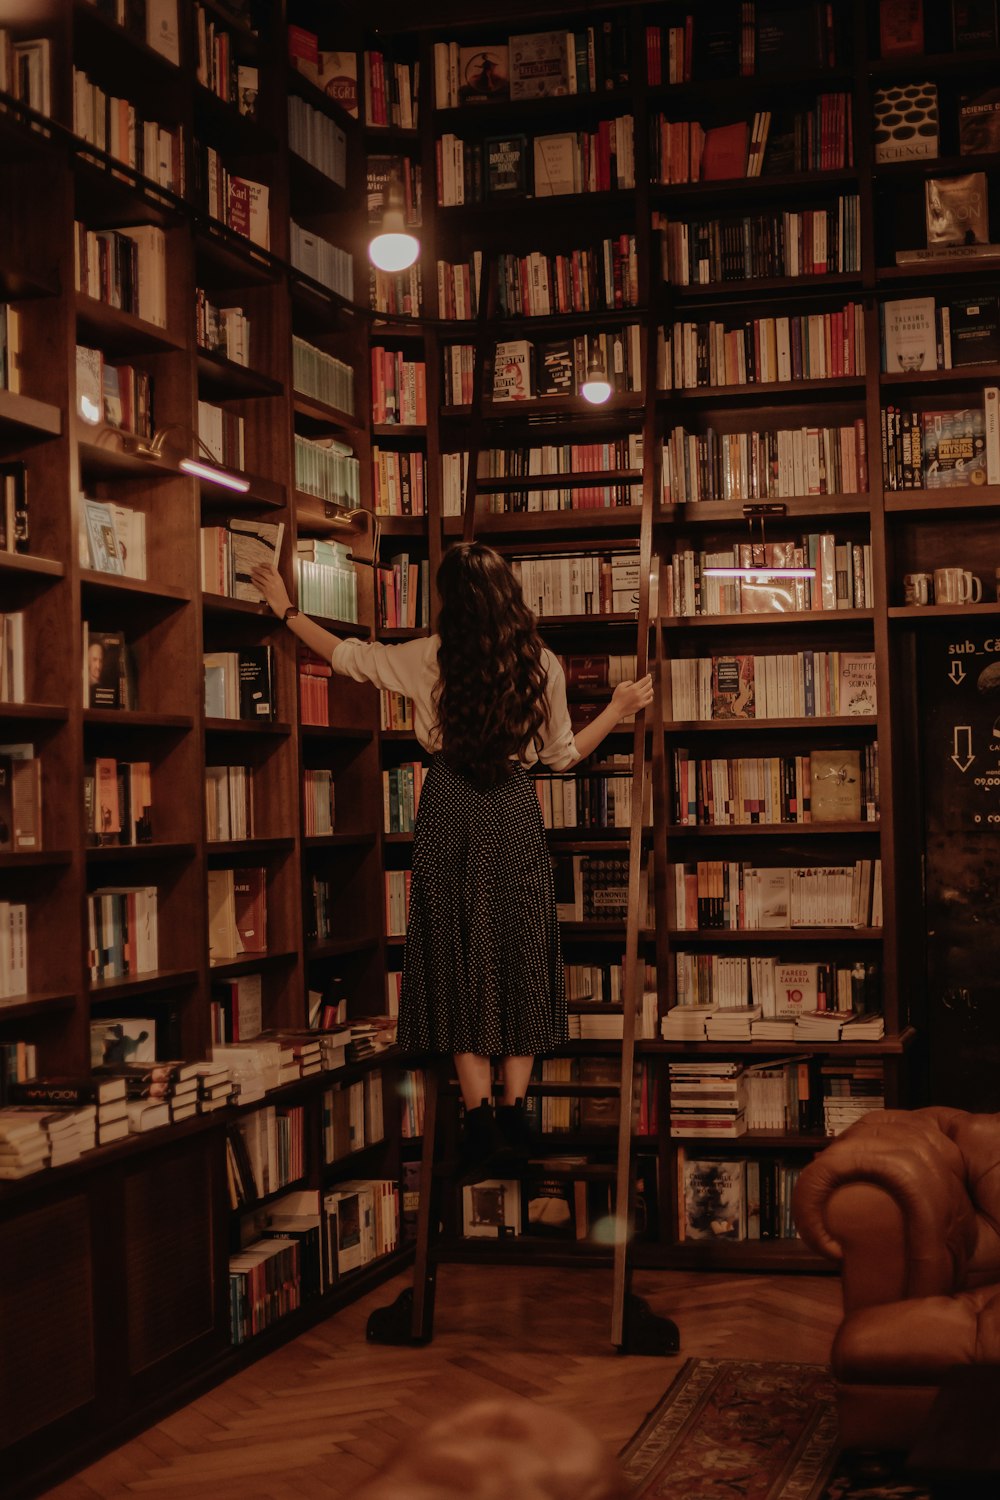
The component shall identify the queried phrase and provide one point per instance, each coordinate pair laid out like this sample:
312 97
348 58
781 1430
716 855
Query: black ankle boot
481 1141
517 1130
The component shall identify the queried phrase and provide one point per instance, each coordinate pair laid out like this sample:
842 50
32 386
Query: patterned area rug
731 1429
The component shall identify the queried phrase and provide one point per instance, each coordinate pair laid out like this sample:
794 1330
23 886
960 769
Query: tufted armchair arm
889 1200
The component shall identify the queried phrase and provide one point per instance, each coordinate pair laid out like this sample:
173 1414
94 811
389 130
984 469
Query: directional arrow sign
957 673
962 746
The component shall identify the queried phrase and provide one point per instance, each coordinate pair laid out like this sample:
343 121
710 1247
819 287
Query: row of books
321 261
319 910
523 370
603 1024
760 351
379 172
819 786
265 1285
401 787
563 458
18 1064
773 465
119 394
391 91
600 983
589 800
799 685
545 166
237 913
26 70
741 1199
327 580
265 1151
10 346
763 245
739 896
123 268
558 1199
314 686
238 202
584 673
238 684
533 65
923 333
321 375
120 129
329 469
742 41
850 1092
237 1009
402 593
353 1116
229 803
117 801
229 553
396 292
362 1223
13 951
121 931
842 578
12 658
395 711
538 285
223 434
317 139
397 902
594 888
718 1099
318 803
816 139
334 73
399 388
217 66
784 990
579 583
400 486
15 530
222 330
935 450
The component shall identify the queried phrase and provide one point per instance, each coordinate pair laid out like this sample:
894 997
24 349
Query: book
957 210
901 27
512 371
506 159
909 334
250 908
906 122
556 165
857 683
491 1209
835 782
974 25
979 122
255 684
108 676
789 36
104 555
732 687
20 799
483 73
954 448
724 154
540 64
796 989
991 415
554 368
128 1039
713 1199
974 324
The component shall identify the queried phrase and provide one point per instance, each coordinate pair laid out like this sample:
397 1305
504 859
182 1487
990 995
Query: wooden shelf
232 256
327 416
398 430
578 622
767 830
142 984
231 968
771 618
223 379
112 584
335 732
24 415
629 405
33 859
133 718
127 853
940 270
927 612
938 65
222 604
961 497
339 841
339 947
766 726
889 1046
591 523
29 711
758 287
307 90
246 848
221 124
247 726
27 565
715 512
402 525
397 838
748 188
401 633
118 332
834 386
779 935
962 375
556 112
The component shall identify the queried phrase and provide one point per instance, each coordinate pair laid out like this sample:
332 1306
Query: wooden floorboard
317 1418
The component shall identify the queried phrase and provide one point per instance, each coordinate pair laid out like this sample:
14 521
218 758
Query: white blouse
412 669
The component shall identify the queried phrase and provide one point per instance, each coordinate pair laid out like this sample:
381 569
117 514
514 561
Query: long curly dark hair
491 694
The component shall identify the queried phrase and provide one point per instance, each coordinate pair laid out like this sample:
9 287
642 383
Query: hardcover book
975 330
857 684
724 154
835 782
491 1209
732 687
102 539
788 36
957 210
512 371
506 166
483 73
796 989
954 448
714 1205
106 668
901 27
556 165
131 1039
540 64
979 123
909 332
554 368
250 901
717 38
378 171
974 24
256 700
906 122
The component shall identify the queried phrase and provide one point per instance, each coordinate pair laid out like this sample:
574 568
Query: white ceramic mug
918 588
957 586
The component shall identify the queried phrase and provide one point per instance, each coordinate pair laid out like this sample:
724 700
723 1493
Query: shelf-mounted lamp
596 388
758 573
393 248
153 449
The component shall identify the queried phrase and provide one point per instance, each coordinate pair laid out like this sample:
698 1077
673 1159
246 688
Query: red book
250 897
725 152
901 27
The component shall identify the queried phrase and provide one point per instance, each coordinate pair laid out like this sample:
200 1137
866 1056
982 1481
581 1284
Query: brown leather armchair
909 1203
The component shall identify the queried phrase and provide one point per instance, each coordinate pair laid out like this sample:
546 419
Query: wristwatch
289 612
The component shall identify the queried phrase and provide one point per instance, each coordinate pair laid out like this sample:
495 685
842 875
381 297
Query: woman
483 974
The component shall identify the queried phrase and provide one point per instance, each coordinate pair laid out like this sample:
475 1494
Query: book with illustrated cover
901 27
512 371
906 122
540 64
131 1039
605 889
714 1199
108 672
252 544
597 1112
491 1209
975 330
909 334
835 786
483 73
551 1207
506 159
979 123
974 25
554 368
954 448
789 36
732 687
857 684
957 210
102 539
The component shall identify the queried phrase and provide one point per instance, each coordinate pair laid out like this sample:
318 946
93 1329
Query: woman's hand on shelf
271 585
629 698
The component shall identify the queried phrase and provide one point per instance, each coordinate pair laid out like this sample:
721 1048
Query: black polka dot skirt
483 969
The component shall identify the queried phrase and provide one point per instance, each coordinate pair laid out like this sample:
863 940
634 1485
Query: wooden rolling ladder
634 1328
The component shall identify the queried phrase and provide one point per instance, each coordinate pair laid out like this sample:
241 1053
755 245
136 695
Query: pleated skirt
483 969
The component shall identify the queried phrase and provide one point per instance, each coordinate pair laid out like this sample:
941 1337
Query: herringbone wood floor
318 1417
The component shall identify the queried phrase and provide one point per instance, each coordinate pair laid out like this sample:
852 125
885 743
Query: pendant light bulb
596 388
393 248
